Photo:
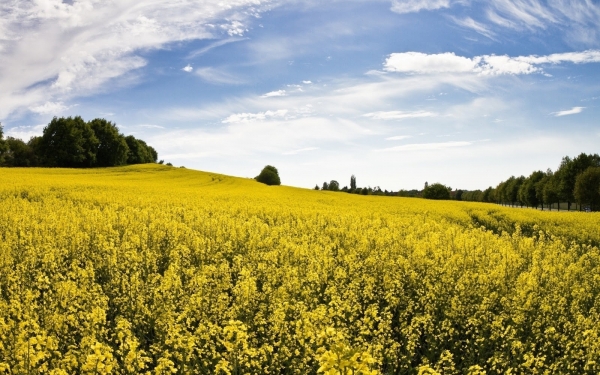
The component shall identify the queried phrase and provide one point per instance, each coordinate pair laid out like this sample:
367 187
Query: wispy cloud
572 111
398 137
398 115
478 27
218 76
214 45
87 44
248 117
410 6
425 146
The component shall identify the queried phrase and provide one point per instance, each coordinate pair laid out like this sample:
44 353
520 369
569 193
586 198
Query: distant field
160 270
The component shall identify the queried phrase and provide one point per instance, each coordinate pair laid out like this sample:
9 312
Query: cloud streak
572 111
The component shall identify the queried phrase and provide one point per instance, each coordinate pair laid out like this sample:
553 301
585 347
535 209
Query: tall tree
112 148
352 183
334 185
69 142
587 188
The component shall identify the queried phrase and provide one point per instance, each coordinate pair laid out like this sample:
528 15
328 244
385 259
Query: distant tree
334 185
568 171
364 191
488 195
325 186
69 142
269 176
426 185
316 187
436 191
161 162
587 188
458 195
112 148
352 182
550 190
528 189
3 146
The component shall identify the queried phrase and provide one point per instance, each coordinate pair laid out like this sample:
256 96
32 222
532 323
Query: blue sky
397 93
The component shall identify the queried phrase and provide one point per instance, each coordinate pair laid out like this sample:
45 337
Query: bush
269 176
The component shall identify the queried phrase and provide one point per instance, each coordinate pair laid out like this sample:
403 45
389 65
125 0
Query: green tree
436 191
352 183
528 189
69 142
139 151
587 188
3 146
112 148
325 186
316 187
334 185
269 176
20 154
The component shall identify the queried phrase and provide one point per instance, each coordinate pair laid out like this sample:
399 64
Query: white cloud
149 126
307 82
49 108
398 115
572 111
188 68
409 6
426 146
274 94
213 45
88 44
248 117
421 63
298 151
417 62
398 137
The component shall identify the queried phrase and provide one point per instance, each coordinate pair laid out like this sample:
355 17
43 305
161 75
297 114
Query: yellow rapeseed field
159 270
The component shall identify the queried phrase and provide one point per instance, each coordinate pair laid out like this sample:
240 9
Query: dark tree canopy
69 142
73 143
436 191
112 148
269 176
587 188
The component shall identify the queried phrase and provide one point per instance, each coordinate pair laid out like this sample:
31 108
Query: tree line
71 142
576 180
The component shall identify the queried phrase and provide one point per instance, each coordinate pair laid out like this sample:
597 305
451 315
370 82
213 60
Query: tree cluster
333 185
577 180
72 142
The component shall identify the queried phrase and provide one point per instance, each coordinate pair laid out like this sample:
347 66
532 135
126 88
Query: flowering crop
156 270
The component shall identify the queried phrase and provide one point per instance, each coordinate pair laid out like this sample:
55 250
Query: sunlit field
160 270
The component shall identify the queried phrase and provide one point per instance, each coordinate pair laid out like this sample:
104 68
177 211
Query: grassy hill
153 269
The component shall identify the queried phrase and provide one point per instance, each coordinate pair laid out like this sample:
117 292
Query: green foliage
269 176
69 142
112 149
587 188
20 154
334 185
139 151
436 191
